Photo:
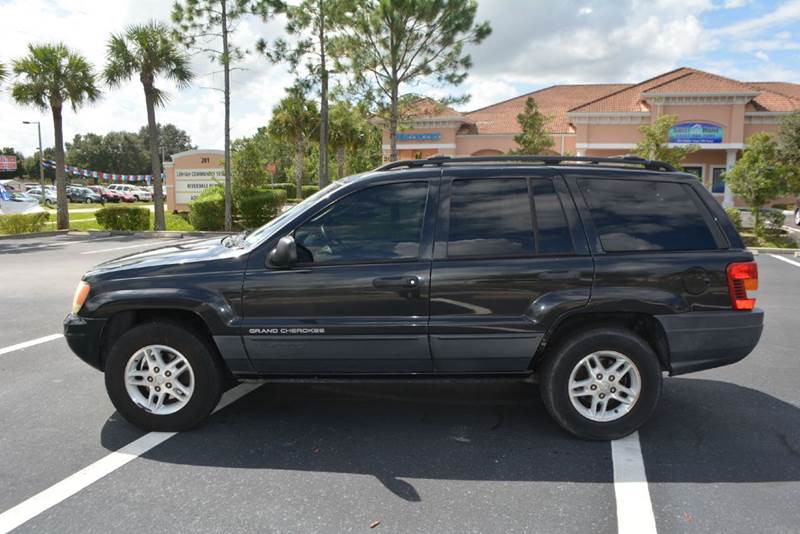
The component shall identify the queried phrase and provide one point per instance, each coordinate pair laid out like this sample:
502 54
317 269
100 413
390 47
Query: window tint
642 215
552 232
375 224
490 218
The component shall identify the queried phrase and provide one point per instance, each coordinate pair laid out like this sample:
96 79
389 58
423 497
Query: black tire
208 375
565 357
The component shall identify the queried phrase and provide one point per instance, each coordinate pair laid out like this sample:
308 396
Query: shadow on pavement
704 431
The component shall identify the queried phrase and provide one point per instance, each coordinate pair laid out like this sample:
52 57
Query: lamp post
41 159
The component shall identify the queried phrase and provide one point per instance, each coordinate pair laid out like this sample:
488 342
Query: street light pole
41 158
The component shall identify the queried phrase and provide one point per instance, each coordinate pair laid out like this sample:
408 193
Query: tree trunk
323 104
155 164
340 162
226 66
393 124
299 152
62 203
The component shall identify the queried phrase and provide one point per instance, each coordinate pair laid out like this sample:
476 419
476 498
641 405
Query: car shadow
703 431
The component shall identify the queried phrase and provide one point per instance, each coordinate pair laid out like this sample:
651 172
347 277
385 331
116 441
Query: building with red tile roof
715 113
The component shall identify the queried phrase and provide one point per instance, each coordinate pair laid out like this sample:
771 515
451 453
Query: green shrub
773 219
736 217
207 211
289 187
23 223
258 206
123 218
309 190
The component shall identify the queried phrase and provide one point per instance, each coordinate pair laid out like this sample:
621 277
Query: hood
178 257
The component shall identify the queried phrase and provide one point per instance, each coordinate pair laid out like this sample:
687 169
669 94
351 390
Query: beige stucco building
715 113
189 173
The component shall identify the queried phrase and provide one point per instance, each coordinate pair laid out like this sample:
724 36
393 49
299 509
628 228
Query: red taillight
742 277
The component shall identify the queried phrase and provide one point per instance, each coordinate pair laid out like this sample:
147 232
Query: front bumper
83 337
703 340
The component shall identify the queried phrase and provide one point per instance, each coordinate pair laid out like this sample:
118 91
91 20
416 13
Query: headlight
81 292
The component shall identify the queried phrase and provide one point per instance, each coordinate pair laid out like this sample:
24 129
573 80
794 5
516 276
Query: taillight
742 277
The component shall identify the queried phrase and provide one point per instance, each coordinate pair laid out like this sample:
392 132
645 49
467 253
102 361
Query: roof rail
650 165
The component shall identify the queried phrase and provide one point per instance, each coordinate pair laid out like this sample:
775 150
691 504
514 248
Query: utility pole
41 157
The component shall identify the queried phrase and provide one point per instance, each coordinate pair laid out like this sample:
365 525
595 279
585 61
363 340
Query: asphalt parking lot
722 453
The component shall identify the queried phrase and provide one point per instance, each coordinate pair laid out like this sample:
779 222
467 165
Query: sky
534 44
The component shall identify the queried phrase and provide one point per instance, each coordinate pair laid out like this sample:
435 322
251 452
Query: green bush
736 217
123 218
258 206
23 223
289 187
773 219
207 211
309 190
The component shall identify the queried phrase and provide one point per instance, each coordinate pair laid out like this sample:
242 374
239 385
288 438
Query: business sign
8 163
433 136
189 183
696 133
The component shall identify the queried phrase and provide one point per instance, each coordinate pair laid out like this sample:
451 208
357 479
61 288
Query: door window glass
490 218
380 223
552 234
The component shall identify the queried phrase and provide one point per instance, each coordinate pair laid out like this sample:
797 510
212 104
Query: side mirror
284 254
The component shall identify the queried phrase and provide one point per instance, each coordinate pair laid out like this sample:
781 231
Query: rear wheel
163 376
602 384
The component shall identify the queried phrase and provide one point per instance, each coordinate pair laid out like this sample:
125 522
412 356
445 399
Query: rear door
509 256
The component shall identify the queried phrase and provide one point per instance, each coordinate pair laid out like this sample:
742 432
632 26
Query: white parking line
30 343
787 260
139 245
28 509
634 508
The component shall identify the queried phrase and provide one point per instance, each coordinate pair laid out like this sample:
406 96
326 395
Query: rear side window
636 215
490 218
552 232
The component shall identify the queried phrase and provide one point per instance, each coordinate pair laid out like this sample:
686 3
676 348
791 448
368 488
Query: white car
137 193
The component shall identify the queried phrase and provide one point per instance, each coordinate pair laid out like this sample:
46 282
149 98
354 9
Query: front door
357 299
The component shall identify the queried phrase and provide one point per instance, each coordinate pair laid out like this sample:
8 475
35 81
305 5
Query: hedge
309 190
23 223
258 206
207 211
289 187
123 218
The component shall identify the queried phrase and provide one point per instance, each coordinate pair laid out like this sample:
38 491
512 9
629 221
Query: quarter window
490 218
633 215
552 231
381 223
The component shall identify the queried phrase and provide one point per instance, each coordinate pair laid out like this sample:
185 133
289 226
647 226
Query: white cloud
761 55
735 4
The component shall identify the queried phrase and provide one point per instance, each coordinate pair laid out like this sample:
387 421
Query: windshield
260 233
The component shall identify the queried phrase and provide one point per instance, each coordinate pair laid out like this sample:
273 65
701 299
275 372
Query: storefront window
697 171
718 180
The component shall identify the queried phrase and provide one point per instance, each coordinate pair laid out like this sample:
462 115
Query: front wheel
602 384
163 377
797 217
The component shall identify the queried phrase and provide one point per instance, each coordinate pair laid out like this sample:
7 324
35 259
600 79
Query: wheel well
641 324
121 322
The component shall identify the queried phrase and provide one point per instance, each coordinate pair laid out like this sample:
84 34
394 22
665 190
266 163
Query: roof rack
650 165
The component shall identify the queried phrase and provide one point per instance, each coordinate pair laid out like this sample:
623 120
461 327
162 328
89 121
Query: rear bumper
83 337
702 340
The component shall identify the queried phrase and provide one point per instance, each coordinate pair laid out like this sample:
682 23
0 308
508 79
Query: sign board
696 133
433 136
8 163
189 183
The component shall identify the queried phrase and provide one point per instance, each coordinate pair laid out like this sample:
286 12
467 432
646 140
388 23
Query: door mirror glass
284 254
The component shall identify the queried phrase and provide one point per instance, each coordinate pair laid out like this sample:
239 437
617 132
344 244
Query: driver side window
380 223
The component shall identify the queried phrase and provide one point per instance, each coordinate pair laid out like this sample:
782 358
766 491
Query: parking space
722 453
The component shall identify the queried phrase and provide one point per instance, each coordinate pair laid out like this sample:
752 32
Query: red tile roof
552 101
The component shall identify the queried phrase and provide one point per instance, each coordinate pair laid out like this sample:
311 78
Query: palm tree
347 130
294 120
49 76
148 50
2 72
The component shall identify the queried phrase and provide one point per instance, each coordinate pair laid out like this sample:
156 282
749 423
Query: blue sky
535 43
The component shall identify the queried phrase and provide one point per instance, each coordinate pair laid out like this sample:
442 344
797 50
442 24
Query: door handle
397 282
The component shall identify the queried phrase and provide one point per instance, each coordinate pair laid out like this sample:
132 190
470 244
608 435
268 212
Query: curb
49 233
771 250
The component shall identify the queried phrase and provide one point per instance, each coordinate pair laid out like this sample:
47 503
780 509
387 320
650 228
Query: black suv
592 275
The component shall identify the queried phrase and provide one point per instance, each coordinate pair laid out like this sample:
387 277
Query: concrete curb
35 234
770 250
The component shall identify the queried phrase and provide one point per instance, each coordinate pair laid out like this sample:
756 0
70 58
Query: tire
797 217
606 344
87 201
204 367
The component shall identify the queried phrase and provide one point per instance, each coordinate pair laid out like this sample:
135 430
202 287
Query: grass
85 221
95 206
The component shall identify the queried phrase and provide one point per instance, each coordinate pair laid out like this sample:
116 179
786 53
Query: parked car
105 193
797 216
593 279
138 194
50 197
83 195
